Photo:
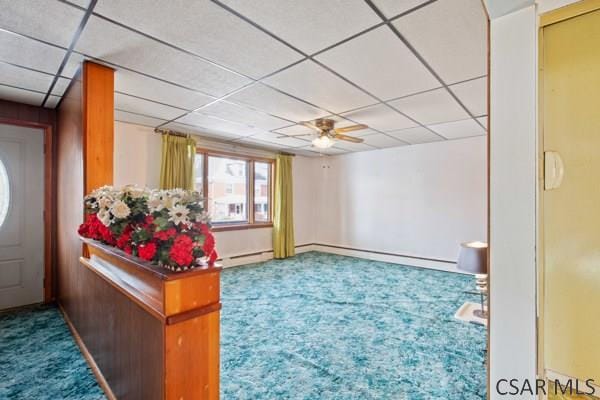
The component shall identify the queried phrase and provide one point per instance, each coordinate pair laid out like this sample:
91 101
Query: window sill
240 227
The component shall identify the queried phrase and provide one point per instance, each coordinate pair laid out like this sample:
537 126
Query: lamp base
480 314
471 312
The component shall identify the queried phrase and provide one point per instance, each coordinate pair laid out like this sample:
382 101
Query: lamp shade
473 257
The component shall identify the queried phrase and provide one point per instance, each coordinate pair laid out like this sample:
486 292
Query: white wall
137 155
513 186
419 200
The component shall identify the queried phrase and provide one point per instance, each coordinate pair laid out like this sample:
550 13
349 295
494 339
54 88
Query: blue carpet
316 326
322 326
39 359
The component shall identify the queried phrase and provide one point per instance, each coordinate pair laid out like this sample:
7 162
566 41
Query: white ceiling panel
483 121
61 86
276 103
279 140
145 107
296 130
80 3
51 21
261 143
156 90
206 29
416 135
381 64
473 95
392 8
309 25
320 87
24 78
349 146
458 129
73 64
201 131
305 152
382 141
211 123
112 43
431 107
21 95
451 35
52 101
331 151
124 116
244 115
29 53
380 117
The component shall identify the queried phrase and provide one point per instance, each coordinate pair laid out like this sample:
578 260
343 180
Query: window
4 193
238 189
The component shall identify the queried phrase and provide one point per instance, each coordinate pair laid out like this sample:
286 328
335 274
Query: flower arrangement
166 227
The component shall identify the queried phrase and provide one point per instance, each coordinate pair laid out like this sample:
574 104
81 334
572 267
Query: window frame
250 179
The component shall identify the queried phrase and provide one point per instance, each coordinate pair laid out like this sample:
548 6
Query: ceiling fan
328 133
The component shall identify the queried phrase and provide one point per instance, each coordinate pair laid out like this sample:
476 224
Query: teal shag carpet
322 326
316 326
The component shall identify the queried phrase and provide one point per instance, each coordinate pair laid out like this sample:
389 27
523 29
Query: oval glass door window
4 193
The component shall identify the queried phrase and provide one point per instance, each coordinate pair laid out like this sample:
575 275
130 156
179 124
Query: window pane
199 173
4 193
262 191
227 189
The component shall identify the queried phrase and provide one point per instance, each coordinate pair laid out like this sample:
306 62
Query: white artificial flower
105 202
119 209
104 217
179 214
155 204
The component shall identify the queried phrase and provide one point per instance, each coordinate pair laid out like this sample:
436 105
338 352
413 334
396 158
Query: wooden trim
569 11
88 357
236 156
240 227
184 316
49 205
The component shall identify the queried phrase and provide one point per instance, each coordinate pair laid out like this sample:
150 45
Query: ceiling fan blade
351 128
310 125
348 138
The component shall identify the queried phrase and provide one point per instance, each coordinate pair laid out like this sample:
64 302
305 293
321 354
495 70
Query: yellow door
570 105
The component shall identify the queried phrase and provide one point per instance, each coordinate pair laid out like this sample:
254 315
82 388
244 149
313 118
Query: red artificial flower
147 251
165 235
182 250
125 237
209 243
149 220
212 258
128 249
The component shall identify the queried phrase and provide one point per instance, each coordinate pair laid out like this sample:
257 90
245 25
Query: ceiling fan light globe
323 142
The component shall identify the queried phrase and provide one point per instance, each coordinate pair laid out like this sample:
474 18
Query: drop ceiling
248 71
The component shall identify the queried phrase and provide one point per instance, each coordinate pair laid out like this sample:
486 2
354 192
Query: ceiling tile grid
251 69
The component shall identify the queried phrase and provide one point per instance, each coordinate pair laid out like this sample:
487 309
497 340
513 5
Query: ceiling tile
309 25
431 107
80 3
21 95
139 106
380 117
332 151
458 129
320 87
107 41
29 53
380 49
156 90
206 29
52 101
61 86
72 66
483 121
452 37
296 130
391 8
261 143
381 141
51 21
211 123
416 135
276 103
279 139
244 115
473 95
304 152
124 116
353 147
201 131
24 78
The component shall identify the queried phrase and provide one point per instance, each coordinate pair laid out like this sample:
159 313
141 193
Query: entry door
21 216
571 211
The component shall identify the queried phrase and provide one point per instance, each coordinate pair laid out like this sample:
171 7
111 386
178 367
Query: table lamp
473 258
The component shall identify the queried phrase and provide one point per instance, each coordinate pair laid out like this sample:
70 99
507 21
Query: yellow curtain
177 162
283 209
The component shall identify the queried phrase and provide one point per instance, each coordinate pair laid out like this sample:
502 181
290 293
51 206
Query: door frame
49 201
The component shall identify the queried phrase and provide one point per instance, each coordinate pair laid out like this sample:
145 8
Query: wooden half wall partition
146 333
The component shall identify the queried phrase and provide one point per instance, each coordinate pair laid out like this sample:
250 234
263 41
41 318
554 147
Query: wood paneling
44 118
